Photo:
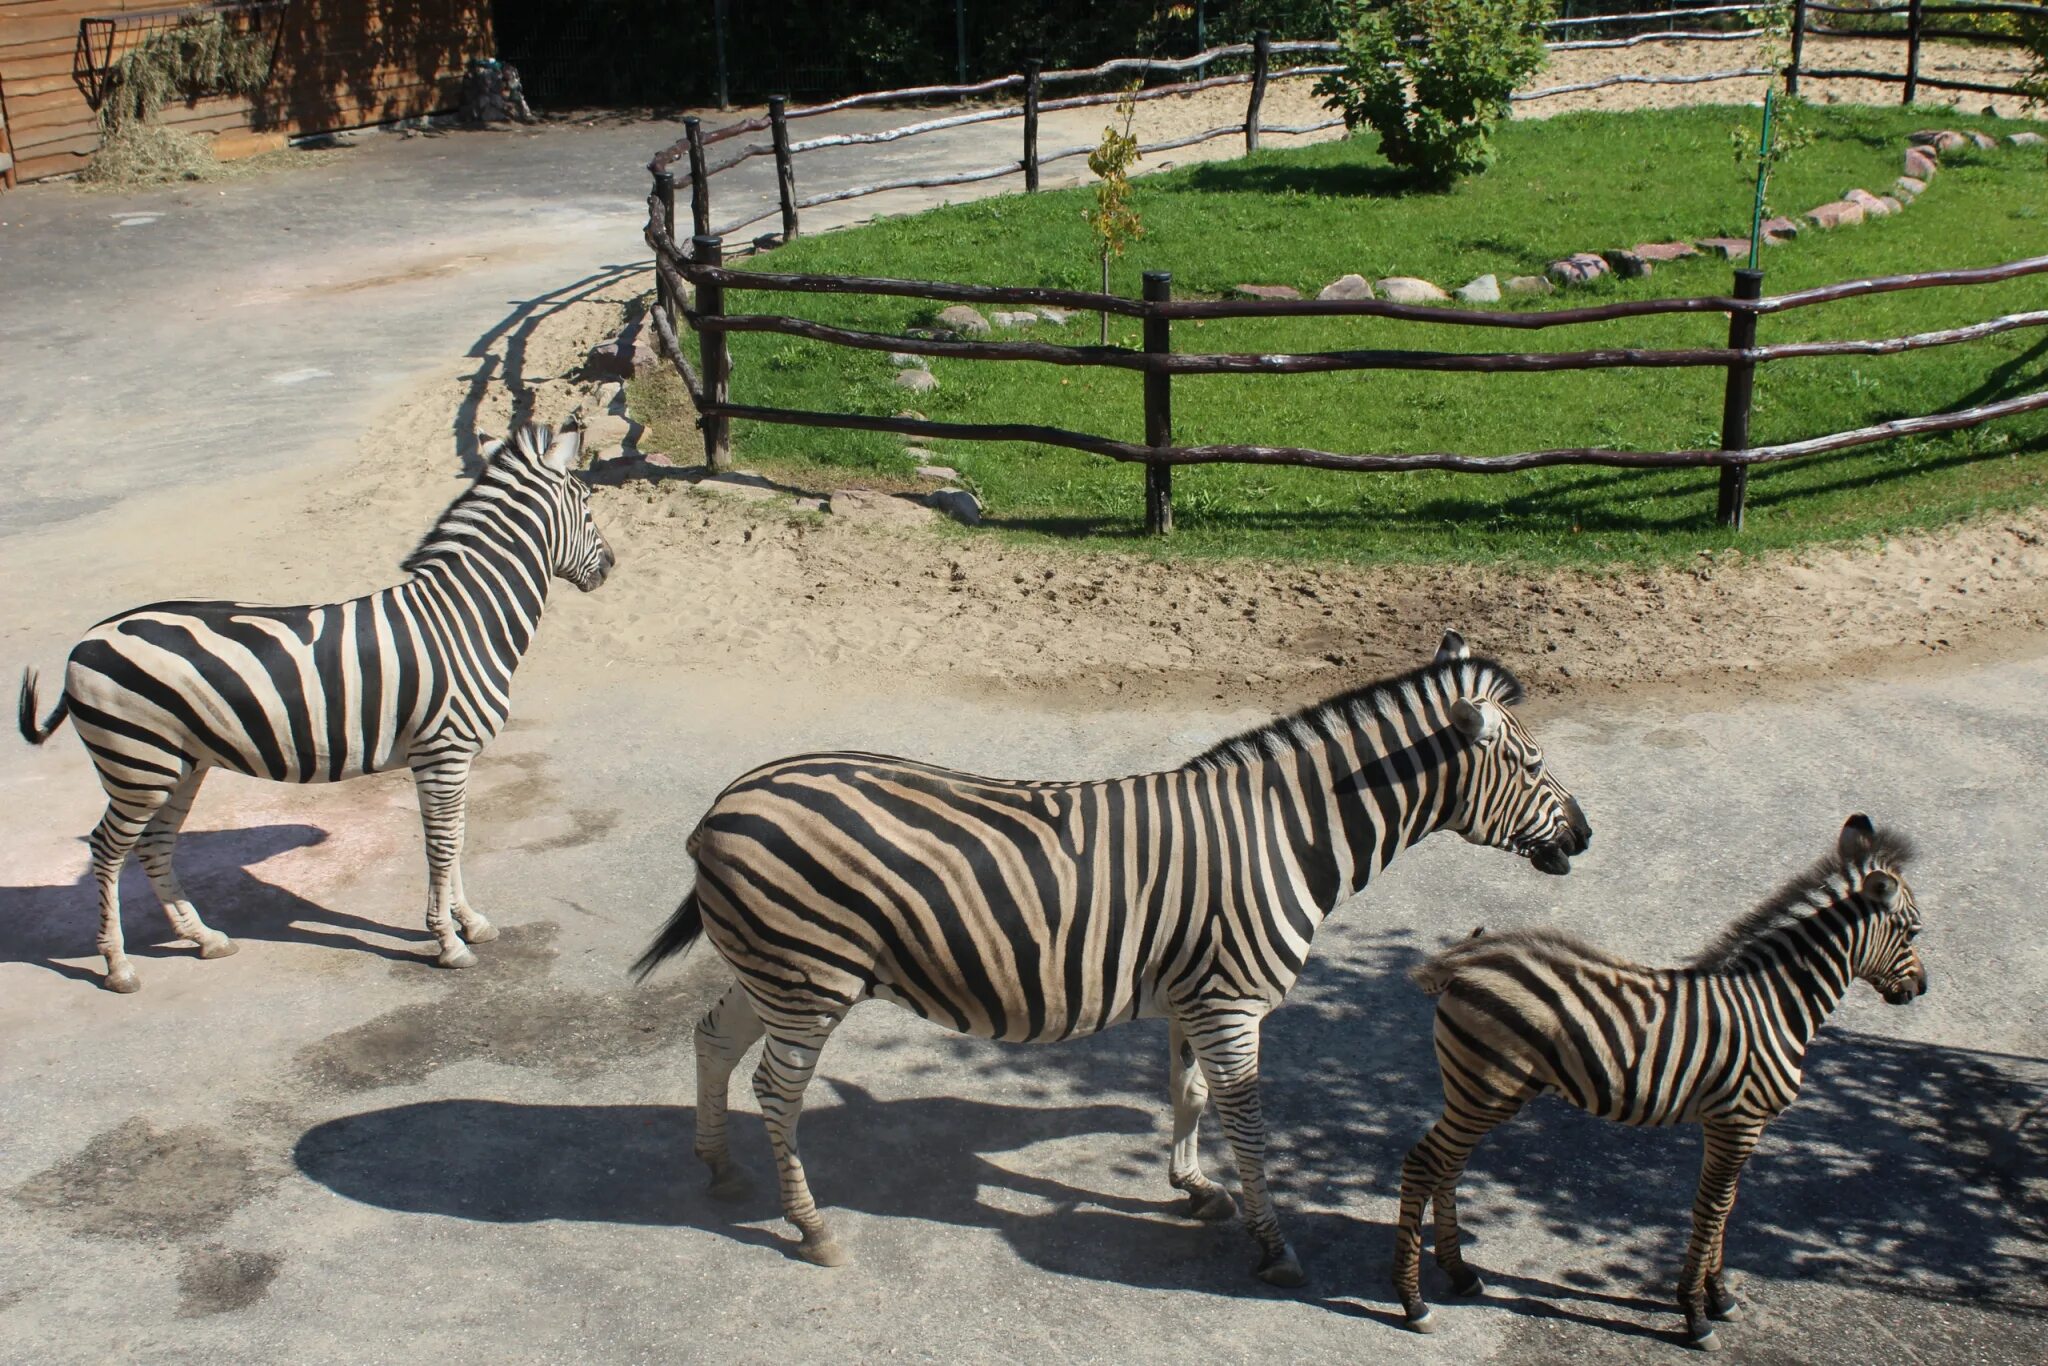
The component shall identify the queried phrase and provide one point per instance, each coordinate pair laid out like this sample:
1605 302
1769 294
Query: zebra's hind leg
470 921
1729 1142
1429 1176
787 1062
1206 1199
155 847
1226 1044
127 816
724 1035
443 783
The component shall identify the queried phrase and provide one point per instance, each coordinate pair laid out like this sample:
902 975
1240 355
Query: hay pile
151 154
201 55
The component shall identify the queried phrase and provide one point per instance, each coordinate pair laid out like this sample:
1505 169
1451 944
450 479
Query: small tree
1432 77
1113 221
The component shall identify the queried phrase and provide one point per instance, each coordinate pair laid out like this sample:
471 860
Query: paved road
323 1149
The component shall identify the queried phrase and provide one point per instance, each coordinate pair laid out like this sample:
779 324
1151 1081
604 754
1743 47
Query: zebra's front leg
443 782
724 1035
1226 1043
1729 1142
154 851
1206 1199
786 1067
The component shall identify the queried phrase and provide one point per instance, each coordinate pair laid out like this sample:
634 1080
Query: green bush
1432 77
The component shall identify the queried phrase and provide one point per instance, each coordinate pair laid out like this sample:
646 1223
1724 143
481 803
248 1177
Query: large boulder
1529 284
964 320
1580 268
634 352
1346 287
917 381
1407 289
1872 206
1484 290
1920 163
1842 213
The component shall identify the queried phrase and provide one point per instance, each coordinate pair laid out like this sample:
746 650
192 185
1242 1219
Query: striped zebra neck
488 564
1807 961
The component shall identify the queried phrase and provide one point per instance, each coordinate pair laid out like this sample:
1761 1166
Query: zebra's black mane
534 438
1472 676
1801 896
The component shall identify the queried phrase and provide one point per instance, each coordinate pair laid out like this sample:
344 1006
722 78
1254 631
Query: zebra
1719 1043
1037 911
417 674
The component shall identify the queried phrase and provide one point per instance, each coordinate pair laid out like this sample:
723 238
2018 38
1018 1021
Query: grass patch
1573 183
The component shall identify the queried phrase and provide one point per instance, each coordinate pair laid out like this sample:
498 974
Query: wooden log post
1735 405
665 191
1798 47
785 171
1262 62
1158 409
1912 51
710 251
1033 86
700 179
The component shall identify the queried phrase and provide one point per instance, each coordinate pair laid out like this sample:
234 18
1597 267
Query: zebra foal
1720 1043
1035 911
418 674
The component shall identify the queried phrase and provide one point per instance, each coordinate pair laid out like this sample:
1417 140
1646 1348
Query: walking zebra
1719 1043
1035 911
418 674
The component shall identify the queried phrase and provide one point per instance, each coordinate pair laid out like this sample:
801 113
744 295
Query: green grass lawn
1305 216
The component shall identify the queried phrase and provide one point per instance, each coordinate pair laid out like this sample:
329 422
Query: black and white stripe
419 674
1034 911
1720 1043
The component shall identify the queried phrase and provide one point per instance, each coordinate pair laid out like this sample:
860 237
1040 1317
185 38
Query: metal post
960 37
724 90
785 173
1798 47
1032 86
700 179
665 190
1749 284
1158 409
1912 51
1262 42
710 251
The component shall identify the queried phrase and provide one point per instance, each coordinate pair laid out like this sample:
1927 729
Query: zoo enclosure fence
701 266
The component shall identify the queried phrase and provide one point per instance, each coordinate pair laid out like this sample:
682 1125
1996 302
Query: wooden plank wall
340 64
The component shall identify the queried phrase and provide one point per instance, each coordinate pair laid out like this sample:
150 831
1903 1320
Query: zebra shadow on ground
1913 1170
43 925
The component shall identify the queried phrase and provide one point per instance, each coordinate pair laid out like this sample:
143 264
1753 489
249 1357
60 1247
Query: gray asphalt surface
325 1149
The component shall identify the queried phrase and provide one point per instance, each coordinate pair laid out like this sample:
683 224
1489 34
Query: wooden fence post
665 190
1735 405
1798 47
1158 408
785 172
1262 60
1033 83
1912 51
710 251
700 179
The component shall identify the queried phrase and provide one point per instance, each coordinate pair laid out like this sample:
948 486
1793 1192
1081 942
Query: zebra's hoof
456 957
820 1249
1728 1310
1282 1268
729 1183
1422 1322
1211 1204
1705 1340
219 947
484 933
123 981
1468 1283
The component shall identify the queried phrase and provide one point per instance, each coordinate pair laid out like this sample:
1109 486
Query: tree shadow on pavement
42 925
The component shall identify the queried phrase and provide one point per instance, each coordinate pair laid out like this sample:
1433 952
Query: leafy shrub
1432 77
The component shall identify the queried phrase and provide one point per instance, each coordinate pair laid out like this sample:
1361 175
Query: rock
1626 264
635 351
1781 227
1484 290
607 433
1665 251
1266 291
1581 268
1840 214
1919 164
870 506
1908 189
661 460
1872 206
961 318
1056 316
1019 319
1940 139
917 381
1529 284
943 473
1891 206
910 415
2025 139
738 484
1727 248
1984 141
1407 289
904 360
962 506
1346 287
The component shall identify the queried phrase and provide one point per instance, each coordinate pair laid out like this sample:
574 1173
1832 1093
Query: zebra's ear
1882 888
1858 835
1453 647
1478 721
487 446
564 451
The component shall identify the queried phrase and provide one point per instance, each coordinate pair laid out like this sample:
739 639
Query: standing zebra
1719 1043
418 674
1035 911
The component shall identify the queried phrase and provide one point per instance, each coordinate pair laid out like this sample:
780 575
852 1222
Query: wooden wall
340 64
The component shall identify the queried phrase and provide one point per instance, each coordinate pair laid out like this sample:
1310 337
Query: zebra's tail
26 713
1437 973
681 931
